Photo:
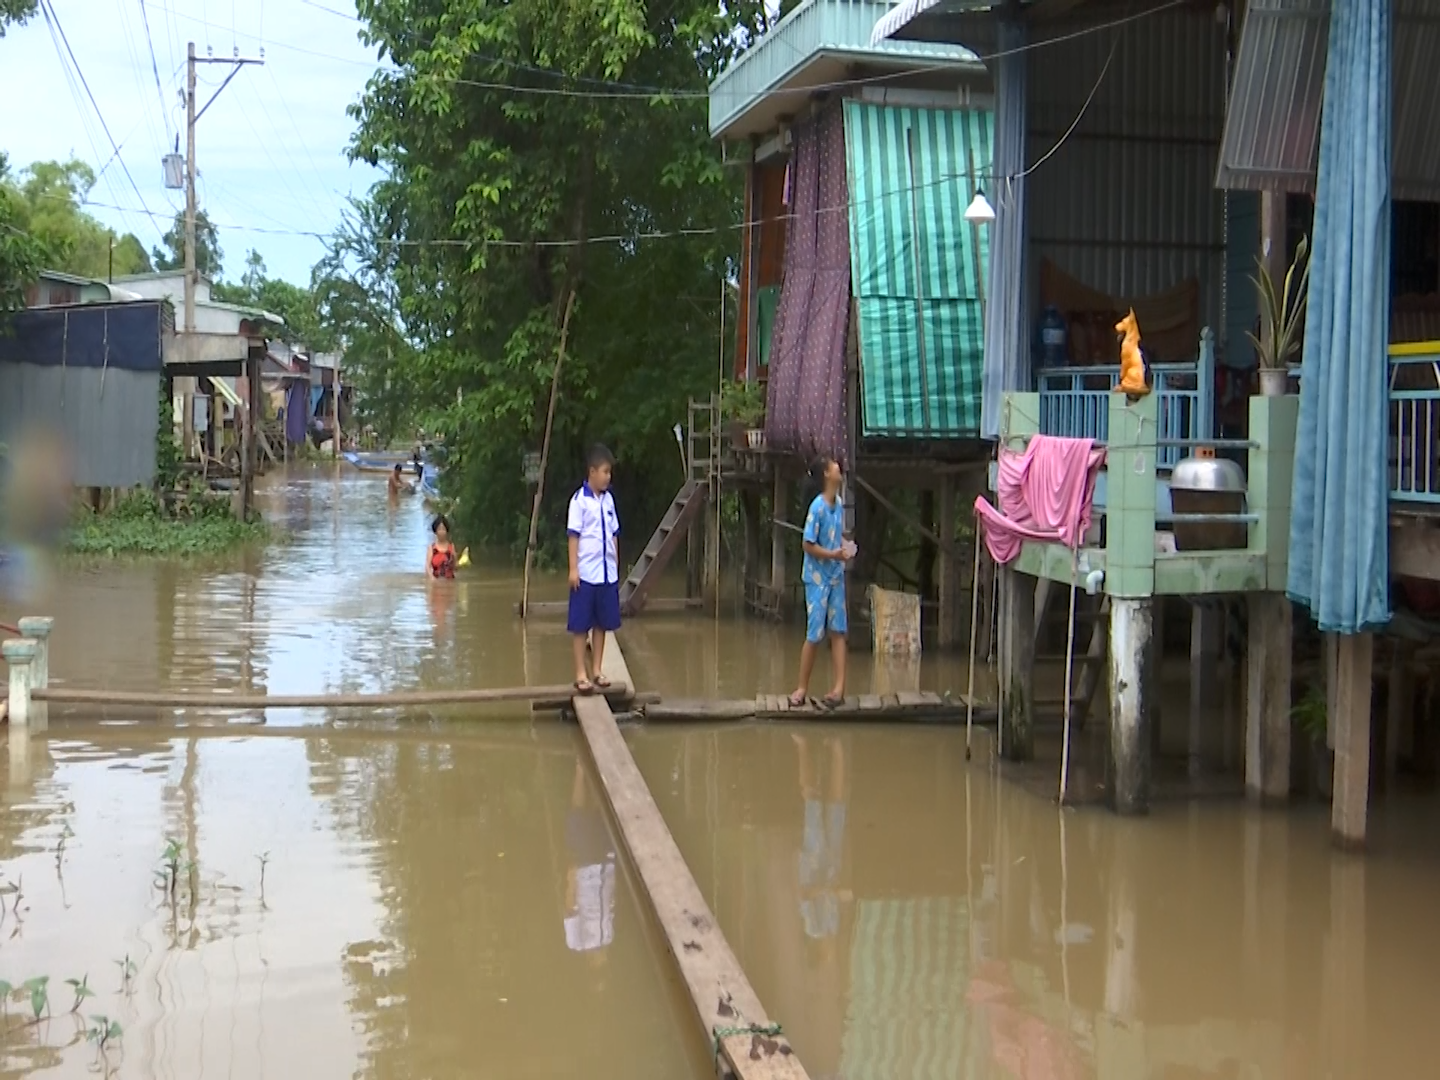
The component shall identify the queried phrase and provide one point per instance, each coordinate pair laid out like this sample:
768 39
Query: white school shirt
593 519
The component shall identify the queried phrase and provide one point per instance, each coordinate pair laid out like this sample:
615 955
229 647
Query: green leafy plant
39 990
168 876
81 987
1281 311
1310 713
128 971
743 402
104 1032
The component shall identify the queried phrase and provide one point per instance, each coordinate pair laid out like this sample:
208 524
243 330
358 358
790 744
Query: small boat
384 461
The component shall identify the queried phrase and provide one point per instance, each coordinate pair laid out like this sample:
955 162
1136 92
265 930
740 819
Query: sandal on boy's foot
601 682
830 702
583 687
798 700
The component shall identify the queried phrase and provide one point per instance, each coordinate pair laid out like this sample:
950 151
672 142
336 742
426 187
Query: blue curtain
1007 356
1339 544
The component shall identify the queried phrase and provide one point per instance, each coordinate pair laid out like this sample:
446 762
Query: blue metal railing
1414 450
1074 401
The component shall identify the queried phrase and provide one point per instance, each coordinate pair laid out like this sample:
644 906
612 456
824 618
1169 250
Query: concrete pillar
1354 662
949 628
780 510
1267 706
1132 667
1205 624
19 654
1017 664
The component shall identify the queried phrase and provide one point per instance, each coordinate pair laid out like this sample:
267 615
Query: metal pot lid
1207 474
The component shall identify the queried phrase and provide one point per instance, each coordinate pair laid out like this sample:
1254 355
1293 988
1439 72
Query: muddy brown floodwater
439 893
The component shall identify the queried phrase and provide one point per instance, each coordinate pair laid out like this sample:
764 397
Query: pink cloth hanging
1044 493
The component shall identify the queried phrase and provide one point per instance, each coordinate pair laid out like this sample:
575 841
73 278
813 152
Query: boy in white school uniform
594 528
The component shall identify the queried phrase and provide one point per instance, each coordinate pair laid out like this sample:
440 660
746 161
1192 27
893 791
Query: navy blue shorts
594 607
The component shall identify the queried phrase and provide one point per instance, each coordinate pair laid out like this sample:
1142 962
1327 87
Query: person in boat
440 560
398 484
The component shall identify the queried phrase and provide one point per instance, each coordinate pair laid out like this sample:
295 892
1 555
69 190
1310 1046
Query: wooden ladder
684 509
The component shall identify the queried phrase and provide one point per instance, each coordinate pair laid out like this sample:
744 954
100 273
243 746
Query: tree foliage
209 259
498 203
43 226
293 303
16 11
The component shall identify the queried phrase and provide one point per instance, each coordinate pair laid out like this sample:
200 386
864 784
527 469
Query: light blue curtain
1339 544
1007 350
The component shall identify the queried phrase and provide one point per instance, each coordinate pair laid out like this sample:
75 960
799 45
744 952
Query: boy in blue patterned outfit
826 552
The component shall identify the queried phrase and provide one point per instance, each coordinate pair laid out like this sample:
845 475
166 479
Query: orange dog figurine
1132 364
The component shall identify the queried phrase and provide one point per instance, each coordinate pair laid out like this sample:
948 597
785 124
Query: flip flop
602 682
583 687
798 701
830 704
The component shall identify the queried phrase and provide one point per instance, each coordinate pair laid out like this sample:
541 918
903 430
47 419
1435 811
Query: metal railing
1414 450
1074 401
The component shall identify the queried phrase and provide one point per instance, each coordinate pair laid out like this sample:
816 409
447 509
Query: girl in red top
440 560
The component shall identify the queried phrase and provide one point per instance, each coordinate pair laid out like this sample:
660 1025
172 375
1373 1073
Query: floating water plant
39 990
263 859
128 971
81 986
104 1033
168 876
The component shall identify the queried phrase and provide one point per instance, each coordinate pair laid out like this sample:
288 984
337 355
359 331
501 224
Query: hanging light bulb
979 212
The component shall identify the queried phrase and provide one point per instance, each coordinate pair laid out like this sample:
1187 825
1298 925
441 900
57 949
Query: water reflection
963 928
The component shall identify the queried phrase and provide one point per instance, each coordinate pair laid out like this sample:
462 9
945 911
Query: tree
294 304
208 256
54 194
22 255
15 11
483 224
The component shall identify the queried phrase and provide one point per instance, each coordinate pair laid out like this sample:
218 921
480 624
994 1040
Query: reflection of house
90 373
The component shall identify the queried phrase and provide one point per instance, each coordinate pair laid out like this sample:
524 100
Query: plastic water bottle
1052 339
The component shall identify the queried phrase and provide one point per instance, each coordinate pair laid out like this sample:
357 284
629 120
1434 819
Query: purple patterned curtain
805 411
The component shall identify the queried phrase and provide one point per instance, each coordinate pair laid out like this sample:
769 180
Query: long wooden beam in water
747 1044
212 700
924 708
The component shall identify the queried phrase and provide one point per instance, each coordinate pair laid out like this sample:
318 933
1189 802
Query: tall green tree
15 11
54 193
523 164
22 255
293 303
209 259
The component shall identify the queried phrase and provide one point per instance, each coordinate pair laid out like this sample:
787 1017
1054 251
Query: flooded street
438 893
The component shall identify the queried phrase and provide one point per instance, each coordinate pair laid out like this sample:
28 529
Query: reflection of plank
925 708
180 699
723 998
658 605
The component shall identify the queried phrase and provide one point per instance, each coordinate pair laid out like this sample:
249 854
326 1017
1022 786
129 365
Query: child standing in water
440 559
823 570
594 529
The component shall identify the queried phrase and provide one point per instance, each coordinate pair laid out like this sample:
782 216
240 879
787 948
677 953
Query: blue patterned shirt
825 527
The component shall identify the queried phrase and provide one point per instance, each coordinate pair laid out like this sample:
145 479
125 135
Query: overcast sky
270 149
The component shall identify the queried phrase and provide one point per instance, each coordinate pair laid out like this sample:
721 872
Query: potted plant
1282 315
1311 721
743 407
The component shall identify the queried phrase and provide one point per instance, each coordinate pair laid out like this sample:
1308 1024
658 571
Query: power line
155 67
50 15
642 92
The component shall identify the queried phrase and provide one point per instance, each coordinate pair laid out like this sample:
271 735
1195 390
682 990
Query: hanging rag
1044 493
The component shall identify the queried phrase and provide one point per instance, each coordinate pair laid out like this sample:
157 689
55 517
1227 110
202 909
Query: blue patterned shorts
825 609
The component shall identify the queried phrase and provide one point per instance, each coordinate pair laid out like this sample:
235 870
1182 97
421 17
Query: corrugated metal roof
1272 131
791 59
1272 134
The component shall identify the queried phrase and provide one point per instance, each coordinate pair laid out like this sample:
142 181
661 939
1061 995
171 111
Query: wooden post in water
779 511
949 628
544 458
1354 665
1267 712
1131 691
1017 665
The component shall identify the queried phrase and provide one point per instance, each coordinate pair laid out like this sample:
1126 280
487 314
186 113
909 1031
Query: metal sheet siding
1273 130
1127 203
839 26
108 418
1414 133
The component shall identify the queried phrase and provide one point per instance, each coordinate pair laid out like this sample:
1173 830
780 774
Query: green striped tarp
915 266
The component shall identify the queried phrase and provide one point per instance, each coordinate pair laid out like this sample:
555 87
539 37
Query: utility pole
192 116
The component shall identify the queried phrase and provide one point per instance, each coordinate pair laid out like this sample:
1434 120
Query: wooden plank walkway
909 708
727 1007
